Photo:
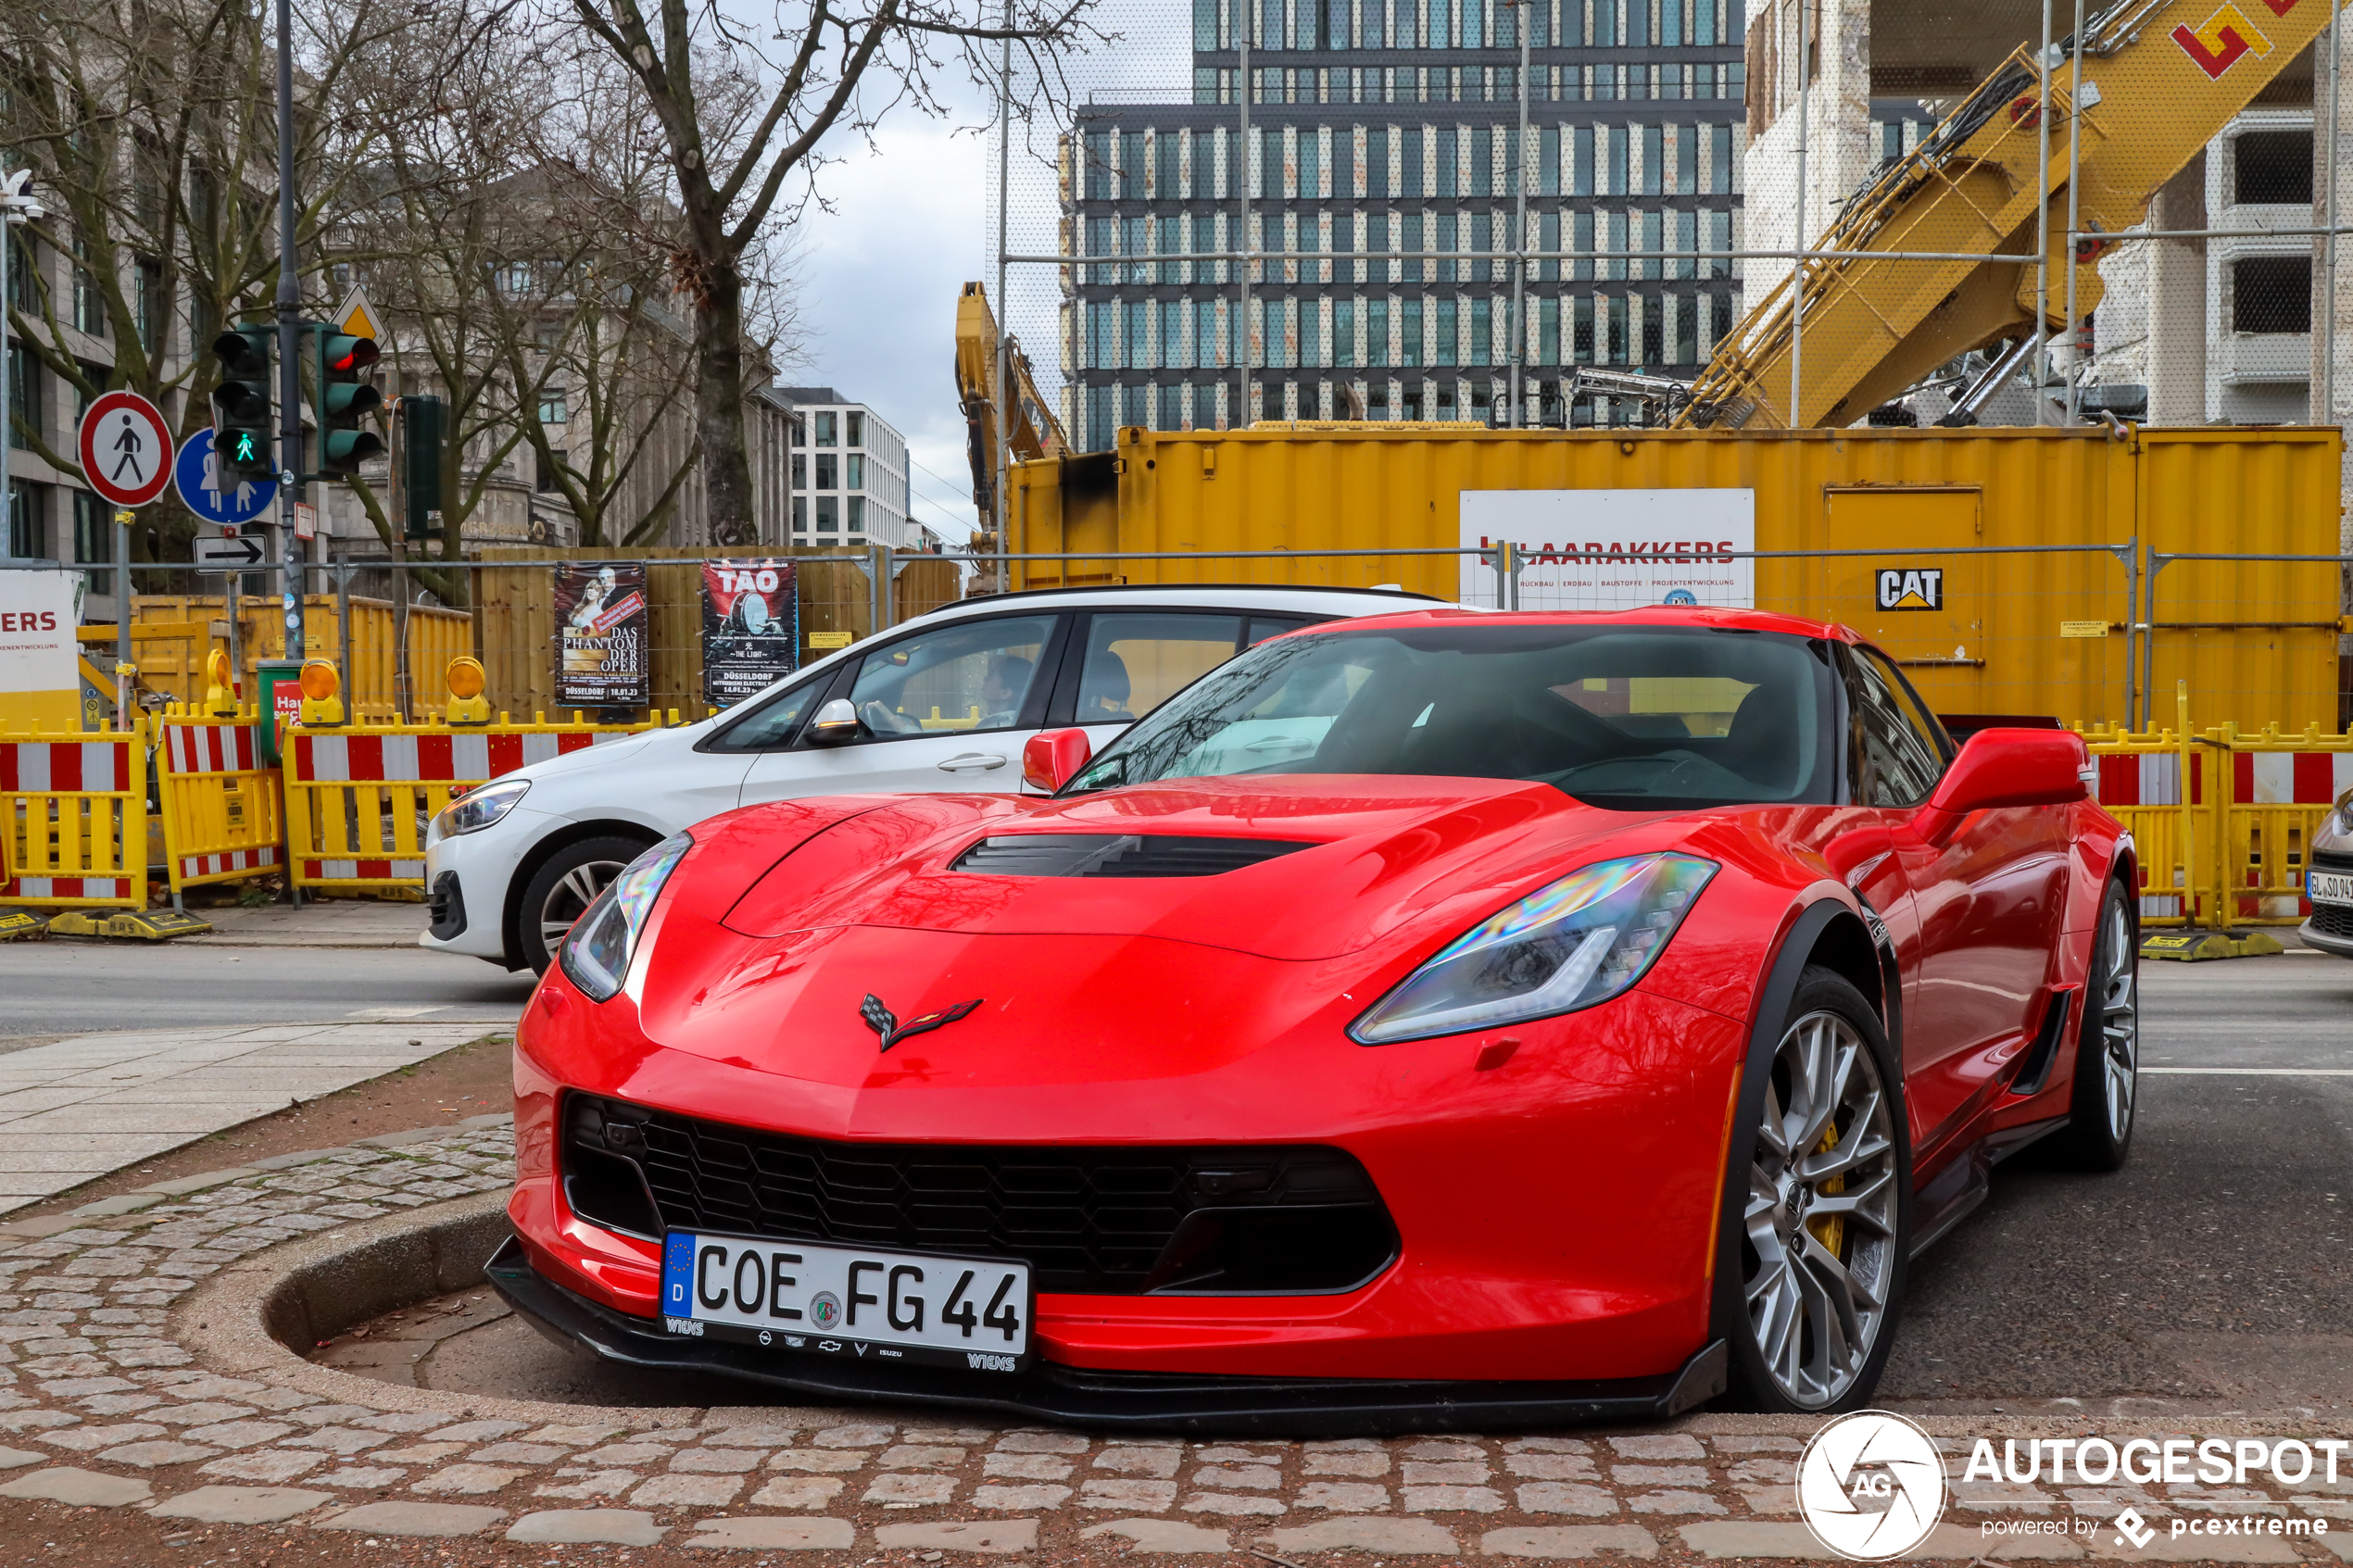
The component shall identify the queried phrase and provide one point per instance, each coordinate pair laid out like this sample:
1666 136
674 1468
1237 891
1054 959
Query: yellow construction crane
1031 433
2159 80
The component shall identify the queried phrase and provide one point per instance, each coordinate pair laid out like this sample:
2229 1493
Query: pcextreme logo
1917 587
1870 1486
2222 40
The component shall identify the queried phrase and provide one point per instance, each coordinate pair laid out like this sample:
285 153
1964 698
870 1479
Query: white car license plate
2328 888
968 1313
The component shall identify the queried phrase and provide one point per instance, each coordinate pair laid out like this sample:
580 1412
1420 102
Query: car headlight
597 950
476 809
2341 819
1570 945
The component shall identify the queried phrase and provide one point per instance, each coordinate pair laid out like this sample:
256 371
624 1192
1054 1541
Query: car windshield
1630 718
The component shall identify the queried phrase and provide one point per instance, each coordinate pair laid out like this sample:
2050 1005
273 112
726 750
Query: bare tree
740 123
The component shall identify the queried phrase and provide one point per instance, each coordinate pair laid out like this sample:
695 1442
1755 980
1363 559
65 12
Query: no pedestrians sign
126 450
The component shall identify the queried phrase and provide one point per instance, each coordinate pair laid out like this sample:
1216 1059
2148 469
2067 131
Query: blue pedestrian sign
198 478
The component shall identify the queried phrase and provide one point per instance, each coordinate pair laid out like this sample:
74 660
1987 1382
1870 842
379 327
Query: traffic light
344 398
241 434
416 466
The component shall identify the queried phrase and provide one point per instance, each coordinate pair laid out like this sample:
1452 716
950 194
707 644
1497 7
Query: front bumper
1120 1400
2326 941
478 870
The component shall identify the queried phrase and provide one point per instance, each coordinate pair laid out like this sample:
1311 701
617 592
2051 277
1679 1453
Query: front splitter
1121 1400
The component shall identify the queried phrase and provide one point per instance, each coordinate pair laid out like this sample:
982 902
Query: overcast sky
879 275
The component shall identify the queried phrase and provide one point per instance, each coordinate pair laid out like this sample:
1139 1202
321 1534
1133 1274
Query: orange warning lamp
321 695
467 705
220 695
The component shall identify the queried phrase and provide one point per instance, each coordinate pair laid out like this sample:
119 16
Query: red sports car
1441 1019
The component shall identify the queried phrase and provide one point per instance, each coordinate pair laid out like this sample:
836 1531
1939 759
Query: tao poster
602 634
751 627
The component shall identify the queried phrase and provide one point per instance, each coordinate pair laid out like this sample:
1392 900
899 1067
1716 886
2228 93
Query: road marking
389 1013
2260 1072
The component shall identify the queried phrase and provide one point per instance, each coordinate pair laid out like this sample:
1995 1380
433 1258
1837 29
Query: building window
854 471
22 291
552 410
856 508
800 472
1482 330
800 513
1448 325
94 539
2273 168
1343 333
2271 294
24 398
1099 431
89 303
827 429
1412 331
27 531
1172 416
1376 331
154 308
829 514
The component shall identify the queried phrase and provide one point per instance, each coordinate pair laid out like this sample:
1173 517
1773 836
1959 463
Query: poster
1614 549
751 627
39 655
602 633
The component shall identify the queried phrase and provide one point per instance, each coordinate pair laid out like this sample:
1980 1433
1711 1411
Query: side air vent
1093 854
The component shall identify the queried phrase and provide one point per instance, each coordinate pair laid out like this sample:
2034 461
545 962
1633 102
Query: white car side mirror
836 721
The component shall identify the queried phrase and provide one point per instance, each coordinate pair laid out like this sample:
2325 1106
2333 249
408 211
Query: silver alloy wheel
1822 1194
2119 1021
571 897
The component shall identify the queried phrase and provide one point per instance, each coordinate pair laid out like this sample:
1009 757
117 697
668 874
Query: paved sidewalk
320 923
80 1107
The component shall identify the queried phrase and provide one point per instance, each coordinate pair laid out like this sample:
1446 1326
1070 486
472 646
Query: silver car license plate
2328 888
851 1302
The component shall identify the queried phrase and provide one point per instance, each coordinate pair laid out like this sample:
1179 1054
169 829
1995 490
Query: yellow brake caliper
1830 1231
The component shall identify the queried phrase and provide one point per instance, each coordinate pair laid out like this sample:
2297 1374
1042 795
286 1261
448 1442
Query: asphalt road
2209 1274
62 987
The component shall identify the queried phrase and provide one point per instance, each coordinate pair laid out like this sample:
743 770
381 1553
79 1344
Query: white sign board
38 650
1614 549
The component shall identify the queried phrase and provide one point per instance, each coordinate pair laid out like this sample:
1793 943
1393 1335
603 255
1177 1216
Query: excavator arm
2160 79
1032 431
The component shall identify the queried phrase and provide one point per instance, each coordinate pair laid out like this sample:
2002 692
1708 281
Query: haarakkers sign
1614 549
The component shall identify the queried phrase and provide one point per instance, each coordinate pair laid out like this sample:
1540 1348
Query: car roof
1710 615
1093 590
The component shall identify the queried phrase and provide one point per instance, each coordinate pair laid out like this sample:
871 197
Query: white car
944 702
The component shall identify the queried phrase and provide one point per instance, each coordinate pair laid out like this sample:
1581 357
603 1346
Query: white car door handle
973 761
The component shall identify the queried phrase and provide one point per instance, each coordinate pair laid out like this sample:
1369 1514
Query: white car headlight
476 809
597 950
1570 945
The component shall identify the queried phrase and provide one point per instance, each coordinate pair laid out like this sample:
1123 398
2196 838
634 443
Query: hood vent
1128 854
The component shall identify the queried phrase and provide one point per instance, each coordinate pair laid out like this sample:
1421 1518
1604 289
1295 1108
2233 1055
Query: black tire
2103 1107
1811 1261
563 887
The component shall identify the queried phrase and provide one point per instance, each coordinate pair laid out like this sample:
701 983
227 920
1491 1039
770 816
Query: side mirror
1999 768
836 721
1053 757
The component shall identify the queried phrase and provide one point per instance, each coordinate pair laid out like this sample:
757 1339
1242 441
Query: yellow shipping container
2014 552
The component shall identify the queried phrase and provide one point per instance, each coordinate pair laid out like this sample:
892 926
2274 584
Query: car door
944 708
1987 898
1129 661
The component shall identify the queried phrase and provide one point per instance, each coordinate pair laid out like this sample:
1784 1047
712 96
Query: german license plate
901 1307
2328 888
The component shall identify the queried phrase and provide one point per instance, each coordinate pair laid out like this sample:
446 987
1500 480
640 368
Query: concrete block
1042 1443
241 1505
1744 1538
688 1491
83 1488
147 1456
203 1182
16 1459
286 1162
1454 1500
779 1534
1570 1541
902 1487
795 1491
1232 1503
1397 1538
415 1519
400 1140
1015 1498
1155 1496
495 1119
471 1480
580 1527
997 1535
1660 1444
35 1230
127 1203
1161 1537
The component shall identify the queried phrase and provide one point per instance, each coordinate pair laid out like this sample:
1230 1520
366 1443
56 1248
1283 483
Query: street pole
1241 237
289 346
8 409
1797 273
2075 215
123 665
1518 355
2038 366
999 379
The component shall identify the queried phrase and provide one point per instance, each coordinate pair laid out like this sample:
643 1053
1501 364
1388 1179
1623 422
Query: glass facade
1384 154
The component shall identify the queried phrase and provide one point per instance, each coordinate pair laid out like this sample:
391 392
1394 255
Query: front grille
2333 920
1087 1220
1123 855
2332 861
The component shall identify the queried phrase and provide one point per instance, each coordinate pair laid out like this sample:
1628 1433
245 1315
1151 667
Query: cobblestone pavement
101 1407
81 1107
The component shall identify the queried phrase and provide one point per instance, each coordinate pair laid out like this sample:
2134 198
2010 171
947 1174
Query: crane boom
1032 433
2160 79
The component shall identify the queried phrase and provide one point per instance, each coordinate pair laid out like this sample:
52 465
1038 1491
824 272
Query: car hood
1381 856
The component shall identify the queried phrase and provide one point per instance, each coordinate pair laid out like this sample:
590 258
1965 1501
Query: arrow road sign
201 486
126 450
238 554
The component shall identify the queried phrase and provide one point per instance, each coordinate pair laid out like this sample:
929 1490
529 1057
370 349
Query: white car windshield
1633 718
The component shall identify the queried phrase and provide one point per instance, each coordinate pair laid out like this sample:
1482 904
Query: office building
849 473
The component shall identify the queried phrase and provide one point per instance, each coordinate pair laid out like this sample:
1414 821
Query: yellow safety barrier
74 811
358 795
2232 848
218 801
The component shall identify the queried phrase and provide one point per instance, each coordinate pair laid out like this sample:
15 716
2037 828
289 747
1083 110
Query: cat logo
1911 588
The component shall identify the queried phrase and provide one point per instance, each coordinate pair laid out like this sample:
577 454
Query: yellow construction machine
1031 433
2160 79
